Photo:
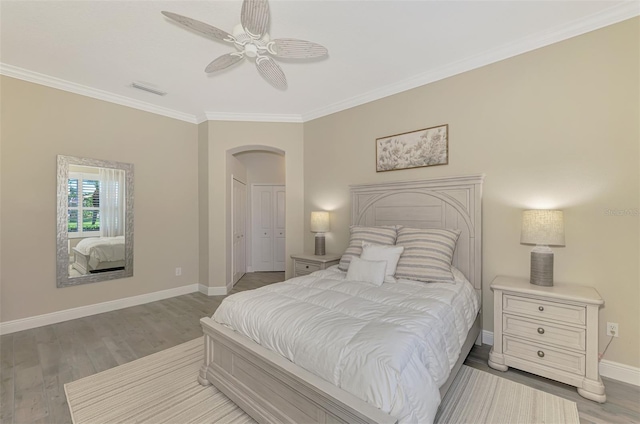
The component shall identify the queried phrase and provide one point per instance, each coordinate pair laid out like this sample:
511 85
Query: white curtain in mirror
112 207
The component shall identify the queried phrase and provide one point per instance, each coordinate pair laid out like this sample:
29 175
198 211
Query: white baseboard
212 291
99 308
620 372
487 337
609 369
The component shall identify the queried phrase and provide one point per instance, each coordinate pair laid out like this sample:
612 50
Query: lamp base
319 245
541 268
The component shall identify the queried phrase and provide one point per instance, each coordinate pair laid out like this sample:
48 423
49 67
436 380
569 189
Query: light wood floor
35 364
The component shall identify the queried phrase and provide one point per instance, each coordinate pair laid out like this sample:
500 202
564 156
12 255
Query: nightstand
548 331
306 264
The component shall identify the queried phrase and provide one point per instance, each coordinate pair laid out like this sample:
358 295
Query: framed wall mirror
94 222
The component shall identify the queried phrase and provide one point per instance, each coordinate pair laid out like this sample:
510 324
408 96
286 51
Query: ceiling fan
252 40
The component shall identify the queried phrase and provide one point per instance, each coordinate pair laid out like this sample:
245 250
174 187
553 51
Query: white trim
487 337
609 16
253 117
212 291
99 308
83 90
609 369
620 372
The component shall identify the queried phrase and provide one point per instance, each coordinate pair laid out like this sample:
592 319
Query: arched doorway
257 210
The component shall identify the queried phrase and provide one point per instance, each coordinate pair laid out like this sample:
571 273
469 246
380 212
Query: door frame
233 253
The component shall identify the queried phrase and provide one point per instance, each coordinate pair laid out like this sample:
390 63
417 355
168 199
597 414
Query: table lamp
543 228
320 225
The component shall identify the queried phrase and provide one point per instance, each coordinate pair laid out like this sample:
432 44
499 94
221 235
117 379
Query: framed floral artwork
415 149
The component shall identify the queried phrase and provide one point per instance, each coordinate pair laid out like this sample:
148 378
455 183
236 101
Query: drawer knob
541 308
307 266
541 354
540 330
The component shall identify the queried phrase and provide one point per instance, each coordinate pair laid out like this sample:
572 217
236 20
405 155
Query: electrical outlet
612 329
178 272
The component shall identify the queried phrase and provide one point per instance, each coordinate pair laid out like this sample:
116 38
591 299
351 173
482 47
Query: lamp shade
543 227
320 222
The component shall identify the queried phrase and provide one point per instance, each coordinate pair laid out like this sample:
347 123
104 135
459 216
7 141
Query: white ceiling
376 48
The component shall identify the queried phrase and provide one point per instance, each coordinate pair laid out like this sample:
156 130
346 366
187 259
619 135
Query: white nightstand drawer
303 268
538 308
543 355
537 331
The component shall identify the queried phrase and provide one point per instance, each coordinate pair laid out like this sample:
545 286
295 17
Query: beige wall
203 203
554 128
232 137
263 167
38 123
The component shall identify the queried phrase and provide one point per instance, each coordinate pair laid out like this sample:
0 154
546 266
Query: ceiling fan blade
223 62
270 71
291 48
200 27
255 17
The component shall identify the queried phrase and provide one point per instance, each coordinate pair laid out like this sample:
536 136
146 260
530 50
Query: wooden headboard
453 202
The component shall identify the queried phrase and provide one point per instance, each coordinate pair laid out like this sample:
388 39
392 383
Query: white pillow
378 252
367 271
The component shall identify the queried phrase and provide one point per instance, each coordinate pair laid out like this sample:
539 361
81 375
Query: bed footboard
272 389
80 262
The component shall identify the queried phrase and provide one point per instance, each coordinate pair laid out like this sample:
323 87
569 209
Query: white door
239 213
267 212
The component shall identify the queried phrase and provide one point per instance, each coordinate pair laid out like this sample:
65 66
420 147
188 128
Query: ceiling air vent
146 87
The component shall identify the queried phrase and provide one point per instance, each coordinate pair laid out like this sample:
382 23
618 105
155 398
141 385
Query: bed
271 388
99 254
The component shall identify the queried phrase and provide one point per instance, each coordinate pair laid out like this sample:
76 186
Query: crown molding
83 90
252 117
610 16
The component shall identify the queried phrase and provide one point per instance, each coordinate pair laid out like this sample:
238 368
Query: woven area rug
162 388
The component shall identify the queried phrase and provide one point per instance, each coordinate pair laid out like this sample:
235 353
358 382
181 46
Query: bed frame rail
271 389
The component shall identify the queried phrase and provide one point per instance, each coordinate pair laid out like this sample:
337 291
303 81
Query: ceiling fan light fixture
250 50
251 39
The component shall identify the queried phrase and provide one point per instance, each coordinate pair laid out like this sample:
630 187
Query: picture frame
414 149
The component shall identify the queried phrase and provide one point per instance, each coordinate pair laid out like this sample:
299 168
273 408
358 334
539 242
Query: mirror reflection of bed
96 254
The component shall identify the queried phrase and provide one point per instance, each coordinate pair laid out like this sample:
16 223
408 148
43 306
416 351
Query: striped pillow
377 235
427 254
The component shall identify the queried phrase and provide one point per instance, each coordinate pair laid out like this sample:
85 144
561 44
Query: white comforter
393 346
102 249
